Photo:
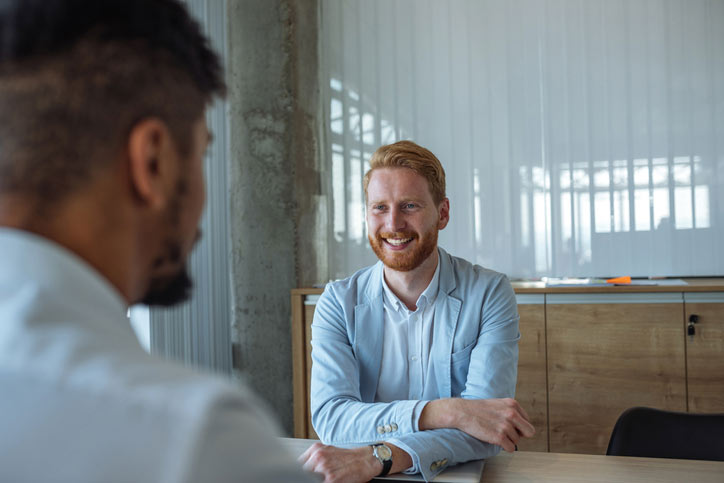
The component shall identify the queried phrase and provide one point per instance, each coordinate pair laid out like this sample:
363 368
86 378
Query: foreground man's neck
408 286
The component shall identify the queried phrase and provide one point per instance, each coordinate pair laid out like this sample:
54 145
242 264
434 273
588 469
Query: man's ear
443 211
149 146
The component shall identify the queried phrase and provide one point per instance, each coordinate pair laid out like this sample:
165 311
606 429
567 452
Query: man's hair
77 75
406 154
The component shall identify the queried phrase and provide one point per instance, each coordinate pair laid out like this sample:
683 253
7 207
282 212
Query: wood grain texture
531 390
605 358
308 318
523 466
299 372
705 358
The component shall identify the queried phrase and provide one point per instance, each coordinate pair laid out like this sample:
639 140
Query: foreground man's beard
405 260
169 290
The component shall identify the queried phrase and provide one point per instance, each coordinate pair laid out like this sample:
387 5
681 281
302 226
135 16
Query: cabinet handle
693 318
690 329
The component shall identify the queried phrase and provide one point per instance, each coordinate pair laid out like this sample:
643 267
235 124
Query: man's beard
168 290
405 260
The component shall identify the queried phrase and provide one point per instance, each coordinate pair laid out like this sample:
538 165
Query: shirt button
394 427
434 466
380 429
388 428
413 358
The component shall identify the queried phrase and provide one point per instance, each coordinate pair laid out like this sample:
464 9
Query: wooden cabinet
705 351
303 304
531 391
607 353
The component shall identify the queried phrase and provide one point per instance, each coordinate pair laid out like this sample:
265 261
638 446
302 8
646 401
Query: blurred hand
341 465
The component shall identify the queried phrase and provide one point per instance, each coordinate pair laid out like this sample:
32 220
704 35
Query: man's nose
395 220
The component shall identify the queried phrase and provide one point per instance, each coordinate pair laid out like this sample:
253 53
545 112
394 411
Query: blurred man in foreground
102 140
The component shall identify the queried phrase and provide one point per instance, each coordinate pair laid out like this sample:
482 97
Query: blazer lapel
369 321
447 312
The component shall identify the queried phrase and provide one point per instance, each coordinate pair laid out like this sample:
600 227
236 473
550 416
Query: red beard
406 259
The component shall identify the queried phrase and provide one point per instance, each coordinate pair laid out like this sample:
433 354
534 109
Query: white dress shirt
81 401
406 346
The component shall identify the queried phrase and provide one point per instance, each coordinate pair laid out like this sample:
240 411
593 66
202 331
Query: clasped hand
498 421
339 464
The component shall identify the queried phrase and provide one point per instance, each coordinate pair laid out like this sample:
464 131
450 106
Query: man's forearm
439 413
351 465
497 421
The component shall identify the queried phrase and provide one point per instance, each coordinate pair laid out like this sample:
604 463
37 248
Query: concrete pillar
277 213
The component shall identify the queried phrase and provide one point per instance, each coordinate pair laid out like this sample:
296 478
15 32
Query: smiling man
414 359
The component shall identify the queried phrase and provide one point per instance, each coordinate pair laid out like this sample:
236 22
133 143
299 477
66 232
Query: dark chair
655 433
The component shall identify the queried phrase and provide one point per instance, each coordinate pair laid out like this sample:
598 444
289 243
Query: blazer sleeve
339 415
492 373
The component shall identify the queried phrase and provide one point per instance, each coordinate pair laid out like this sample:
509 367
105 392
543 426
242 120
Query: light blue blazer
474 350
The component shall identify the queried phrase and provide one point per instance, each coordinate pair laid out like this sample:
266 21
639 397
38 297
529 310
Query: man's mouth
396 242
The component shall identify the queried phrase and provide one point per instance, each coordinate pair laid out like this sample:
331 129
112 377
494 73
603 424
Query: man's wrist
383 454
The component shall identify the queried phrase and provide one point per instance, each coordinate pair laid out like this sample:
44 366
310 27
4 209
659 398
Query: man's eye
410 206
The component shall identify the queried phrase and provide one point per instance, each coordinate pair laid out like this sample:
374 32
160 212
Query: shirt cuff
416 413
415 468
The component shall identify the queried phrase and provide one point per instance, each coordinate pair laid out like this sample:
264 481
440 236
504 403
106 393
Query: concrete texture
277 213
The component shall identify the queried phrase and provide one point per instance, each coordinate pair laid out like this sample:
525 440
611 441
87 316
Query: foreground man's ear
149 149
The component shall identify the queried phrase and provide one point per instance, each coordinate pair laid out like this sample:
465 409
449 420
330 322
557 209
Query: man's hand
350 465
341 465
497 421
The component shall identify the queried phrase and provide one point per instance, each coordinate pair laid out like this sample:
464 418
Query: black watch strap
386 462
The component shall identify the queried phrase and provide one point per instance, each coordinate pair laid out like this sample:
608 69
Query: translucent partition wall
580 138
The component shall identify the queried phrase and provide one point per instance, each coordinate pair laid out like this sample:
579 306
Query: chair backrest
655 433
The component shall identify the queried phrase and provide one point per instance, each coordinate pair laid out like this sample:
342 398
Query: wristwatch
383 453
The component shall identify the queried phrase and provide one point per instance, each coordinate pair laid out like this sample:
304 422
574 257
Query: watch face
383 452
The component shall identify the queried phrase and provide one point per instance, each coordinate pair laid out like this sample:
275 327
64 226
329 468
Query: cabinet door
607 353
705 352
531 391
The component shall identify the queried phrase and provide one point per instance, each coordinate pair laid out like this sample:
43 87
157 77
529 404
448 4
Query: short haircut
77 75
406 154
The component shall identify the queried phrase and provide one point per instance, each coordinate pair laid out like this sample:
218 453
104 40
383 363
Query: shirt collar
30 258
426 298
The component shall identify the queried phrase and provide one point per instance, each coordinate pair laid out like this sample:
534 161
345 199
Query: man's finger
308 453
524 427
507 444
522 411
513 436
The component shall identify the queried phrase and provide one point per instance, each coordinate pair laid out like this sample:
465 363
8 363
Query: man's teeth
398 241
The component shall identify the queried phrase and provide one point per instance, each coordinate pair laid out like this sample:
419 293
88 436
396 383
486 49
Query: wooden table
535 467
527 466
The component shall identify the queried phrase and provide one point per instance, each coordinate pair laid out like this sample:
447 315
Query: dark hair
77 75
